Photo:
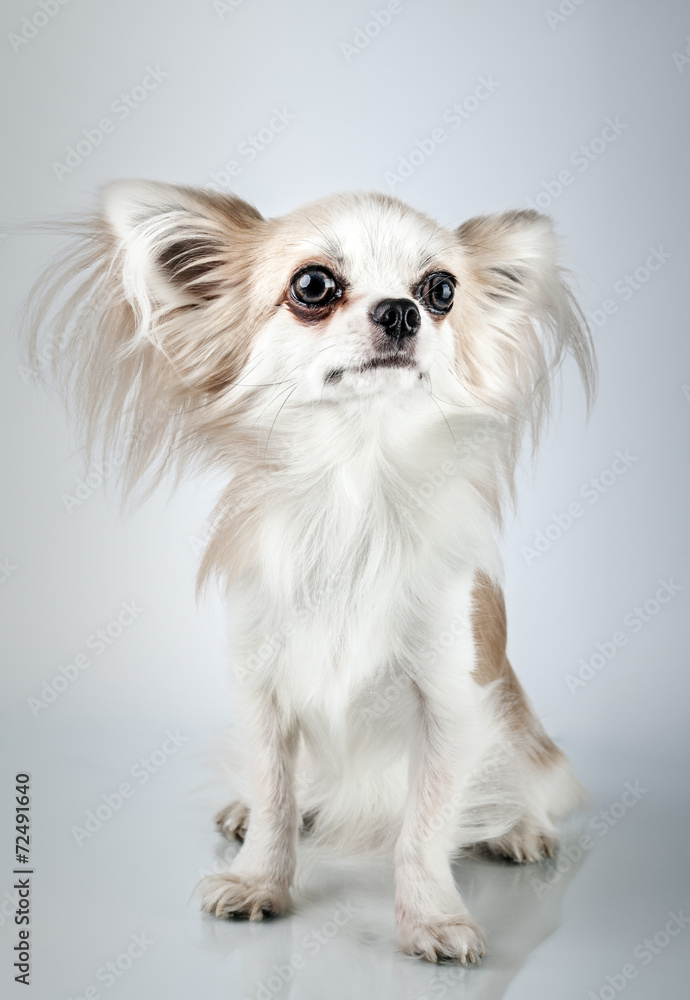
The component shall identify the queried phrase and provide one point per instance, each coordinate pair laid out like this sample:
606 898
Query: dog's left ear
514 255
520 317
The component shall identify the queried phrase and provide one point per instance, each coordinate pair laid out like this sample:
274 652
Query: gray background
356 113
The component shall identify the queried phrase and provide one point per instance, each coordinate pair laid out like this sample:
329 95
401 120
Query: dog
363 380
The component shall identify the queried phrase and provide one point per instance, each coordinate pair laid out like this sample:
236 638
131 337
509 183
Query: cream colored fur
360 507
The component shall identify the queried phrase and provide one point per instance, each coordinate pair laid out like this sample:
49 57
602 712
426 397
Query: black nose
398 317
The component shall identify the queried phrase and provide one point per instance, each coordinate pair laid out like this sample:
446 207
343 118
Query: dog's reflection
340 943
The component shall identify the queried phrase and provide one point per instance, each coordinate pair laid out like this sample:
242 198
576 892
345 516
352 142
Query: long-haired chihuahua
363 379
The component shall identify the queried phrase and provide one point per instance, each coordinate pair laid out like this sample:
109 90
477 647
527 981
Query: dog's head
194 302
352 295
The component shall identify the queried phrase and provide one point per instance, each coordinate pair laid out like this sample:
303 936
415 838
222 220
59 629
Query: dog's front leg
433 919
258 882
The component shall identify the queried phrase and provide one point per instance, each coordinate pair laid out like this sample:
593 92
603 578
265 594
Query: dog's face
364 294
354 296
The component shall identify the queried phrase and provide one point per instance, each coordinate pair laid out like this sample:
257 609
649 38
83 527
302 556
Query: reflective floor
113 912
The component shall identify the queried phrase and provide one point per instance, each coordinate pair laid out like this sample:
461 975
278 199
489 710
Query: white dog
363 379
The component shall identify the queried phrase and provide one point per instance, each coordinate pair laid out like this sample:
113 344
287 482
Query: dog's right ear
180 246
149 317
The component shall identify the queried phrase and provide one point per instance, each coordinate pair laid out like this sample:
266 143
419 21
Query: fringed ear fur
151 319
520 318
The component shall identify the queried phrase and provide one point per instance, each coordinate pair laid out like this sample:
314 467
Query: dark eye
314 287
437 292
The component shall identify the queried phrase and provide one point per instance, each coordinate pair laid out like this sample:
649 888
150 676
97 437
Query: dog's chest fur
360 563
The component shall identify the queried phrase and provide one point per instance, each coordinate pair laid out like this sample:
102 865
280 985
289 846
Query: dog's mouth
372 364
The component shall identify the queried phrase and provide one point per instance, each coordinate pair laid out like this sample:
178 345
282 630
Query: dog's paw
243 897
523 844
455 939
233 820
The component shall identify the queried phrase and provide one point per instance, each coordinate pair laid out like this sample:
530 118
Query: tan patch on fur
490 634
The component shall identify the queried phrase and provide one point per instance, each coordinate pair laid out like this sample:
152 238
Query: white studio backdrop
577 108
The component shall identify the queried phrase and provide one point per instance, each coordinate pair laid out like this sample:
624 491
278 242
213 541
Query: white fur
359 513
